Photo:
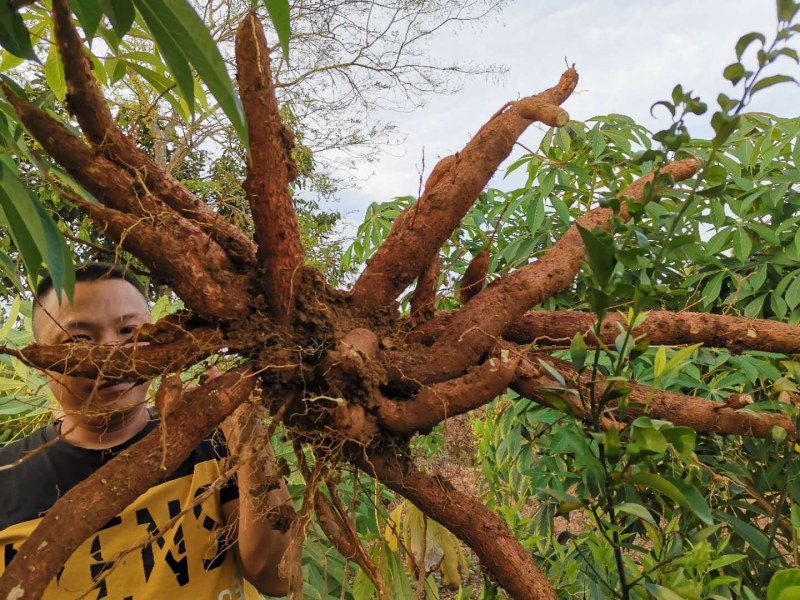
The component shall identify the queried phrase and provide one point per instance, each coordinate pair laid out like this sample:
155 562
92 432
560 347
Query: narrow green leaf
742 244
21 236
163 29
770 81
717 242
182 30
578 352
535 215
724 125
765 233
19 204
162 84
546 183
695 501
121 13
9 61
14 36
753 308
637 510
89 13
786 9
659 592
7 266
792 296
54 74
561 209
757 540
658 483
599 255
279 15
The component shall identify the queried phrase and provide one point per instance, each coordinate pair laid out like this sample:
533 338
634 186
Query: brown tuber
475 276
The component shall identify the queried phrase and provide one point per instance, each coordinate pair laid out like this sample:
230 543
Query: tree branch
190 417
453 186
270 170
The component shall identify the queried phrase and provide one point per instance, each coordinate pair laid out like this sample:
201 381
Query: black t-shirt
189 559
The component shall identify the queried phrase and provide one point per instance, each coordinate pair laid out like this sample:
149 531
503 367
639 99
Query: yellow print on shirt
191 559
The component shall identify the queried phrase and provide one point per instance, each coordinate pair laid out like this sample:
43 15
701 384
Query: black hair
92 271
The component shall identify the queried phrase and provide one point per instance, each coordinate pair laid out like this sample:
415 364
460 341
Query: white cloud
629 54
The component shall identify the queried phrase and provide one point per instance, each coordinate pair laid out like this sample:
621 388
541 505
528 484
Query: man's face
104 312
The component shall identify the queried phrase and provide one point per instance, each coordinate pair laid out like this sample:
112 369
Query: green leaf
24 211
578 352
725 560
742 245
757 540
535 215
717 242
659 592
162 84
637 510
650 438
21 236
770 81
753 308
599 255
561 209
784 585
786 9
279 15
121 13
734 73
695 501
89 13
766 233
54 74
8 268
546 183
177 26
724 125
746 40
658 483
659 362
683 439
163 29
792 296
14 36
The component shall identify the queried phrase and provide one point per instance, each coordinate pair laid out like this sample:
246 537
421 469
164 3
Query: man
203 553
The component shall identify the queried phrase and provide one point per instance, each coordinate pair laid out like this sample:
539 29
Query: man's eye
127 330
77 339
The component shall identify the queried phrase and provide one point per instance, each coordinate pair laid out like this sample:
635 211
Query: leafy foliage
652 509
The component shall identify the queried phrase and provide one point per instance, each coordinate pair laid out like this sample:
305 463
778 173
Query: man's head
108 305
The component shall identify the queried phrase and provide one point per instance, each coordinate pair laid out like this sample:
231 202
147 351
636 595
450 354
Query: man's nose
109 338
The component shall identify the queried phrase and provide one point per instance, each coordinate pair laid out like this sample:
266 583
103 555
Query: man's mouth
113 387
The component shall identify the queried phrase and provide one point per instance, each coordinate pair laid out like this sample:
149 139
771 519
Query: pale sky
629 54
